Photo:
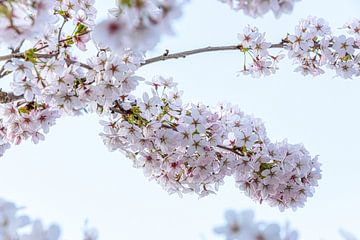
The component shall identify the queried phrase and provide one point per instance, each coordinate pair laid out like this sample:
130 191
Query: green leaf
127 3
24 109
4 11
80 29
29 55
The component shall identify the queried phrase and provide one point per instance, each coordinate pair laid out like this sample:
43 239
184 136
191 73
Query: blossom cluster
258 8
254 46
56 37
238 226
242 226
192 148
50 88
39 21
13 224
20 20
137 24
23 120
347 235
312 48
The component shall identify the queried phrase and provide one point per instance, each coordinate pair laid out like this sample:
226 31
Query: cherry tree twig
184 54
163 57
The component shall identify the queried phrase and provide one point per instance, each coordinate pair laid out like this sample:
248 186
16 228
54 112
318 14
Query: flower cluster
23 19
192 148
258 8
23 120
38 21
134 24
71 87
12 226
312 47
82 14
49 88
347 235
4 145
137 24
255 47
242 226
238 226
284 176
110 78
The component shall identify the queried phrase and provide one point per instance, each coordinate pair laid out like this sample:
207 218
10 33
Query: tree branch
184 54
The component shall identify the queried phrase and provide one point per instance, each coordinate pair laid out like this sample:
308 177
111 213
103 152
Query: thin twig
22 54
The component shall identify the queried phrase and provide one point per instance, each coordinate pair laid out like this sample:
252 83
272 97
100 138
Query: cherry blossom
137 24
38 232
28 120
242 226
192 148
13 225
347 235
313 47
238 226
258 8
21 21
186 148
254 46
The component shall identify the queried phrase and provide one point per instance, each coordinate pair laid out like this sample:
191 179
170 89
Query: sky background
72 177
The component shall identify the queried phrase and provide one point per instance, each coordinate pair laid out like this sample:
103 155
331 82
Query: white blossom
257 8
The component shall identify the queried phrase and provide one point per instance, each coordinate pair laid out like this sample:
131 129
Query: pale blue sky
72 177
